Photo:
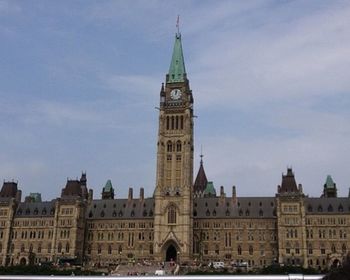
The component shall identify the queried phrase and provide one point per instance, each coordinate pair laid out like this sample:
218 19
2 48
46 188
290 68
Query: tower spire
201 155
177 71
178 25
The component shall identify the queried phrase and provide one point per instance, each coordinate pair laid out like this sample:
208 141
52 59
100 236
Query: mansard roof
8 190
289 184
108 187
329 182
243 207
324 205
121 209
35 209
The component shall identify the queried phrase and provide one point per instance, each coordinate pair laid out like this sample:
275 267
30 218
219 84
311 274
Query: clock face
175 94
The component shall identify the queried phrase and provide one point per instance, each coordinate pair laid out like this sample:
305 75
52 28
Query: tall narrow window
167 123
177 122
169 146
239 250
172 122
178 146
172 215
181 122
67 247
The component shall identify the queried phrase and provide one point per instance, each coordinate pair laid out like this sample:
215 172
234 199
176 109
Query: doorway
171 253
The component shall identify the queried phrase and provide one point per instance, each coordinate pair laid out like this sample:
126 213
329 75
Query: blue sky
79 81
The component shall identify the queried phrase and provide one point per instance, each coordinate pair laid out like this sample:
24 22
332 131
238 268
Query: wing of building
185 220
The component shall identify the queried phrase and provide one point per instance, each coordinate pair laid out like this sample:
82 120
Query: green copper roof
329 182
108 187
35 196
209 189
177 66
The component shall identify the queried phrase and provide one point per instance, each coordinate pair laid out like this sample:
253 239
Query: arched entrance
171 253
335 263
23 261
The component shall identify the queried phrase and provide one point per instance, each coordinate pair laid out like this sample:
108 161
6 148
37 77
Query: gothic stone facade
183 221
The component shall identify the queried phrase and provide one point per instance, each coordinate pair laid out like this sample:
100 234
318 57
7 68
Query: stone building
184 220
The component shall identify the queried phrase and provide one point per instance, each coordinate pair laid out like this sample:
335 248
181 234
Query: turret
329 188
130 194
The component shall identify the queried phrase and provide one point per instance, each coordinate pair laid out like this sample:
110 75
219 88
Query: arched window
59 247
109 249
167 123
178 146
181 122
67 247
169 147
239 250
172 215
310 248
177 122
172 122
120 249
261 213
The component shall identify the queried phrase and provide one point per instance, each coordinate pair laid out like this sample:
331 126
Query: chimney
18 195
300 187
90 195
142 194
234 195
222 193
130 194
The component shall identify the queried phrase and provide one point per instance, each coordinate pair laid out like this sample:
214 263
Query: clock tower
173 221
